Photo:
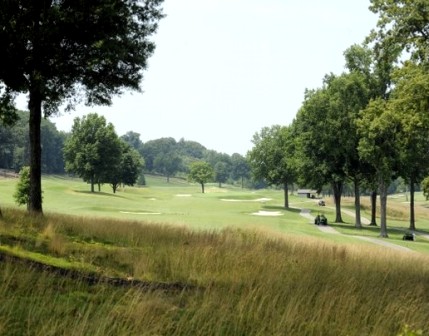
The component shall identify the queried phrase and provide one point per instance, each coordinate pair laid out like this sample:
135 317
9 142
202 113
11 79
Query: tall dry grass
247 283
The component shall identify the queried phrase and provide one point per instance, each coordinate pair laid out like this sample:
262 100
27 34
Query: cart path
328 229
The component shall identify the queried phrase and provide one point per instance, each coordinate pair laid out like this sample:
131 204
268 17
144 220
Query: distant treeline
164 156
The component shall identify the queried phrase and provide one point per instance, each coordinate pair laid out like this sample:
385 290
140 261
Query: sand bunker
244 200
267 213
140 213
183 195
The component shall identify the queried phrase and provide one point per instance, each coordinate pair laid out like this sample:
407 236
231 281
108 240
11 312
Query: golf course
166 259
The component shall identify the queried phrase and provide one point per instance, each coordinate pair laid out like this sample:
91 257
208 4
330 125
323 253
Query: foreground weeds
240 283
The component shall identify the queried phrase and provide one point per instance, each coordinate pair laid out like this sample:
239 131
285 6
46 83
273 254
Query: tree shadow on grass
97 193
281 208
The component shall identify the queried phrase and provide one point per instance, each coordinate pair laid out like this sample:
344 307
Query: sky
224 69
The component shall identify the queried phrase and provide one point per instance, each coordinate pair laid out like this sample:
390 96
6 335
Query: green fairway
181 203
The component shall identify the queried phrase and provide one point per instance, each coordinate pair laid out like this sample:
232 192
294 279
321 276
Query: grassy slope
164 203
280 279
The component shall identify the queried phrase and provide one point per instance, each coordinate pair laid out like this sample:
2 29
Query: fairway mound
267 213
246 200
140 213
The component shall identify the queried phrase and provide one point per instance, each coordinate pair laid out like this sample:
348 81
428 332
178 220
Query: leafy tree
271 156
133 139
167 164
200 172
155 147
240 168
58 51
22 193
191 149
425 187
93 149
410 101
379 130
402 26
127 170
320 153
221 172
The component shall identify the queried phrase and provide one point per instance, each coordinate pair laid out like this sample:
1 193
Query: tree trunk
358 223
242 182
373 208
338 190
92 183
383 209
35 107
202 188
412 212
286 194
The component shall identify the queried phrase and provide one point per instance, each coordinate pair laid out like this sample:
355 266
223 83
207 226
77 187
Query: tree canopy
201 172
61 51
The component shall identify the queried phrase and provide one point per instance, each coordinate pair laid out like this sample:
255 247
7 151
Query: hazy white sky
223 69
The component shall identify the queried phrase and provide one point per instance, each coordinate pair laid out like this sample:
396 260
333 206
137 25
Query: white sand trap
183 195
267 213
152 199
140 213
244 200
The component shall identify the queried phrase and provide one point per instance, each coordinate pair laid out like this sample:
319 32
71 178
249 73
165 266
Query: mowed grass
182 204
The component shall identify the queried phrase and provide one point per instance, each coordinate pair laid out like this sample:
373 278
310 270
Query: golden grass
247 283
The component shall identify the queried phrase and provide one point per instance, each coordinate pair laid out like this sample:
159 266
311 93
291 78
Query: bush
22 193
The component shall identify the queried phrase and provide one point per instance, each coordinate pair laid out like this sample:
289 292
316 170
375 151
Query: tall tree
240 168
133 139
402 26
58 51
270 157
320 132
167 164
154 147
127 169
379 130
93 149
221 172
8 113
201 172
410 101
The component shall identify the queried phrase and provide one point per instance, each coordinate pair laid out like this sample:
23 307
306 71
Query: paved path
329 229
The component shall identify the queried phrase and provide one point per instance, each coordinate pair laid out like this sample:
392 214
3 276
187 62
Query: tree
167 164
270 157
320 152
410 101
221 172
22 193
93 149
58 51
133 139
155 147
127 169
402 24
200 172
425 187
379 130
240 168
